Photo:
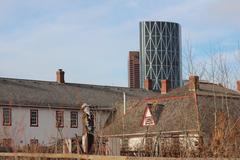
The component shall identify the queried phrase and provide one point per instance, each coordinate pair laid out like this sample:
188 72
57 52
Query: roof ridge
20 79
70 83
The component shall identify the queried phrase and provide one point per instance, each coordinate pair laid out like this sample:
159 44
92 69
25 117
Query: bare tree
192 65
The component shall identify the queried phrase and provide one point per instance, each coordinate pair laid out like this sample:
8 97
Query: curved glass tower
160 53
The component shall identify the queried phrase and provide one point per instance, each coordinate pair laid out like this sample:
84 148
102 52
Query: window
59 119
34 141
74 119
7 117
33 118
7 142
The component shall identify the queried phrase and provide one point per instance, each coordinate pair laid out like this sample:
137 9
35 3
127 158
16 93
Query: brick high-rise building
133 70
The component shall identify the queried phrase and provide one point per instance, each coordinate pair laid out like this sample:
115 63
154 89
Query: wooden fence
45 156
40 156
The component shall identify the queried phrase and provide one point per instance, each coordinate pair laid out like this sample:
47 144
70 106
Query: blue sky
90 40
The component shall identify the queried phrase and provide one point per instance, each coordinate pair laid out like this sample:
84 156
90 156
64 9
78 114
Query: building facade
25 125
188 121
133 70
160 53
51 112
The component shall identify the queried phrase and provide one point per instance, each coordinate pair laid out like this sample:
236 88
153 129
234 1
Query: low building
44 112
197 118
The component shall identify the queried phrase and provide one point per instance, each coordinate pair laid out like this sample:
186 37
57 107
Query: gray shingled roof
45 93
177 114
171 115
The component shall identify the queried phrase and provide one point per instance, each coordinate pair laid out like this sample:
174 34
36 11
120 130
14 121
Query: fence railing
44 156
39 156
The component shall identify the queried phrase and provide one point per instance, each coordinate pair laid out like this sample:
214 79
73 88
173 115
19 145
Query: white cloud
76 41
91 40
224 13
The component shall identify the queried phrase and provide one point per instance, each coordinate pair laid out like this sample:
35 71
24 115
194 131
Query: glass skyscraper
160 53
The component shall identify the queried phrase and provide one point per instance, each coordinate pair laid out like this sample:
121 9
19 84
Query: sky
90 40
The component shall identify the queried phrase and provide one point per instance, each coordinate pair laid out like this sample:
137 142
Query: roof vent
60 76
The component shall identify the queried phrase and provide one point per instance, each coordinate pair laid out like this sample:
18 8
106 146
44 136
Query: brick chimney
238 86
148 84
193 83
164 86
60 76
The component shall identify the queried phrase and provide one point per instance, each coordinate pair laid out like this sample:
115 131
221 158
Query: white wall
46 132
136 143
113 147
189 141
100 120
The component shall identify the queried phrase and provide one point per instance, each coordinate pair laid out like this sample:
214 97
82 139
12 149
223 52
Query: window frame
9 116
71 119
61 114
7 142
31 124
34 141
